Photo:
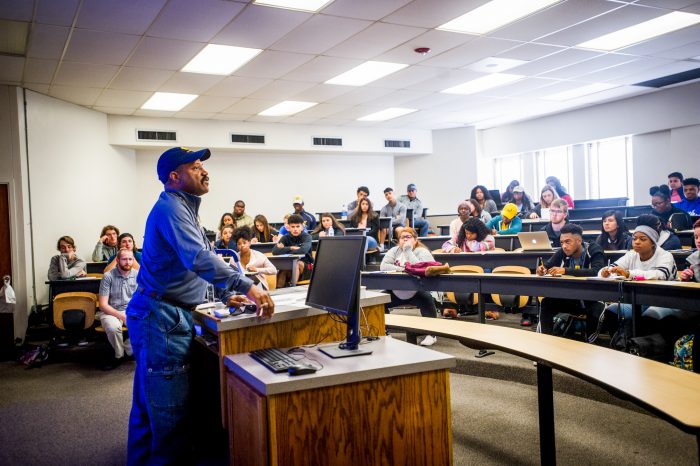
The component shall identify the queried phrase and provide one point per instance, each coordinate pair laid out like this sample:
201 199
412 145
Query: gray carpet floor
71 413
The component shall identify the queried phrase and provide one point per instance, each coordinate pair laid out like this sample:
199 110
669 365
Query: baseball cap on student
298 200
518 189
173 158
411 187
509 211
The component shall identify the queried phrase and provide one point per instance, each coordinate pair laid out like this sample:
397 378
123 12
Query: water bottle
344 212
330 231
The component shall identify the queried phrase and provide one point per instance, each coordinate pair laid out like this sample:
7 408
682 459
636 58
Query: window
507 169
608 163
554 162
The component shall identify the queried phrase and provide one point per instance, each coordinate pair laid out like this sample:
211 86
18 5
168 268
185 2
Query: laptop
534 241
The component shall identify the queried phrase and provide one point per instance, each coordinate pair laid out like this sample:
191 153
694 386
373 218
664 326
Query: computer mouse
301 369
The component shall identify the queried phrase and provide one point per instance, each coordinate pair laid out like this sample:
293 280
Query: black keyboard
274 359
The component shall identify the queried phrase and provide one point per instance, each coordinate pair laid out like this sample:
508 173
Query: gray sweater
694 261
102 252
61 268
396 257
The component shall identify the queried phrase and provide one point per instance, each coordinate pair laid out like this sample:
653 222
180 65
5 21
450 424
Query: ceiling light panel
366 73
642 31
220 59
483 83
387 114
168 101
301 5
493 15
580 91
288 107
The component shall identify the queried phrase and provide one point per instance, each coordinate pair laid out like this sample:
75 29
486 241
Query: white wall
447 175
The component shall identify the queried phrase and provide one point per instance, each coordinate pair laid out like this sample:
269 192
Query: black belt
172 302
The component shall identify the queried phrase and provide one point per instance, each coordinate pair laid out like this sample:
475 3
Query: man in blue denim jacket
177 266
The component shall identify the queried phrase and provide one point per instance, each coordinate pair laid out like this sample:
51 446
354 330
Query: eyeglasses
556 211
406 237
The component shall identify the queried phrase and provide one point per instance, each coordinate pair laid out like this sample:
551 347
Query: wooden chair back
80 300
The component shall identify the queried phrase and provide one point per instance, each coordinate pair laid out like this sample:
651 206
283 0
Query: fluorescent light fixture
301 5
288 107
220 59
366 73
483 83
493 15
387 114
580 91
168 101
642 31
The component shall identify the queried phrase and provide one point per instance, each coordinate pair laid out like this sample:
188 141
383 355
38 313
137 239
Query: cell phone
484 353
250 308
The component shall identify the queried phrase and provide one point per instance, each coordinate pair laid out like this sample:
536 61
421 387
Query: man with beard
116 289
177 269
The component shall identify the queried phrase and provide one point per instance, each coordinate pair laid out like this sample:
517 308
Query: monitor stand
334 351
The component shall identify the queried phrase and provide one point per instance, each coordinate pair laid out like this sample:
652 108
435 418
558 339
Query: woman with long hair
474 236
614 236
483 197
226 219
262 231
541 210
252 260
328 226
554 182
477 212
364 216
226 241
507 196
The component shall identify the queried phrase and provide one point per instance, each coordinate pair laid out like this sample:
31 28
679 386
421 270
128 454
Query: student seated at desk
675 186
464 211
126 241
329 226
483 197
554 182
263 232
365 217
473 236
394 209
668 240
252 260
661 203
297 241
522 201
508 223
614 236
227 241
646 261
477 212
541 210
67 264
579 259
558 215
691 203
107 246
692 273
226 219
411 251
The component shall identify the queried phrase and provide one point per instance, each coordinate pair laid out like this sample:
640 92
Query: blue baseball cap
173 158
411 187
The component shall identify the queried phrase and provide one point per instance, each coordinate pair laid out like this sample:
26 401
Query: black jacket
593 261
303 241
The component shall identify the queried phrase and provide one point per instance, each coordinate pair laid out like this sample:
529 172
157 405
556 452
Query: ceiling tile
436 41
425 13
250 106
58 12
114 110
260 27
589 66
210 103
520 87
273 64
333 121
17 10
470 52
681 53
11 69
322 110
83 74
280 90
266 119
363 9
125 16
409 77
322 92
319 34
549 20
400 97
446 80
628 15
531 51
670 4
144 79
196 21
195 115
77 95
556 87
236 86
299 120
39 71
41 88
431 100
154 113
321 69
108 48
658 72
360 95
47 41
129 99
230 117
554 61
624 69
671 40
165 54
190 83
375 40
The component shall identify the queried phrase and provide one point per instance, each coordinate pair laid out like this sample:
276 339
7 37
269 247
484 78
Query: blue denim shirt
177 258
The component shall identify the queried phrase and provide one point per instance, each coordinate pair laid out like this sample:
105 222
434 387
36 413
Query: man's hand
103 239
541 270
279 245
294 248
687 275
238 300
82 273
556 271
266 306
121 315
494 231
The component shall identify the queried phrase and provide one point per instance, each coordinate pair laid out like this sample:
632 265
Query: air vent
672 79
394 143
328 142
157 135
248 138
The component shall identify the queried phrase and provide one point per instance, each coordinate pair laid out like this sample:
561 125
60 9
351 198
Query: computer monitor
335 287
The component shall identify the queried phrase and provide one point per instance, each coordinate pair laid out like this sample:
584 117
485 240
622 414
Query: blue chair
233 255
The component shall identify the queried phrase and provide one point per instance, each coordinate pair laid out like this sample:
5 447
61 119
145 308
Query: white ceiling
112 55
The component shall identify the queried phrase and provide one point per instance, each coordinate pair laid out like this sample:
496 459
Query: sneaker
492 315
525 321
429 340
449 313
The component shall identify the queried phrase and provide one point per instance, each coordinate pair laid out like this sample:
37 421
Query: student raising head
262 231
365 217
483 197
473 236
328 226
507 223
614 235
661 204
554 182
541 210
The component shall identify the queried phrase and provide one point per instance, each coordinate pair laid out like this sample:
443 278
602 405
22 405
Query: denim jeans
422 299
422 226
159 423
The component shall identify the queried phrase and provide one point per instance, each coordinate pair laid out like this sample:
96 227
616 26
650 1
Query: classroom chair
511 302
74 313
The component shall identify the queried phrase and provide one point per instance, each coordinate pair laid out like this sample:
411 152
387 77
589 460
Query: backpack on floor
569 326
683 352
